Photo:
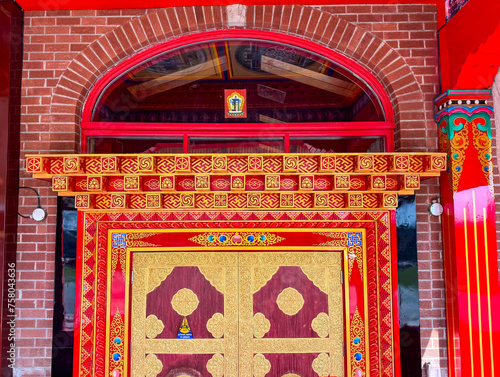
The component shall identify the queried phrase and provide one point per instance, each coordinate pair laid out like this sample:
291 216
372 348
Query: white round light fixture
435 209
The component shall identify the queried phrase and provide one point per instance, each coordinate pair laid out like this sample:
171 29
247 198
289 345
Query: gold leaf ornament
261 366
290 301
215 325
154 326
321 325
153 365
321 365
215 365
185 302
261 325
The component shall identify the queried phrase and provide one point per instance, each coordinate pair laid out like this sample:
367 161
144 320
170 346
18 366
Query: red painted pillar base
469 234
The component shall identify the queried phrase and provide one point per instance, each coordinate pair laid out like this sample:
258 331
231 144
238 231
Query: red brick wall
66 52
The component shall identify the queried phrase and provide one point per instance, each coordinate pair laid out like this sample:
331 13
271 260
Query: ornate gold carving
320 200
286 200
261 325
156 277
261 366
215 325
219 163
342 182
153 366
290 163
154 326
236 239
253 200
317 275
215 365
261 276
167 182
321 365
321 325
202 182
272 182
185 302
290 301
215 276
132 182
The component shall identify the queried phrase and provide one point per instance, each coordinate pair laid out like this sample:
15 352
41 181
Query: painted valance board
259 286
268 181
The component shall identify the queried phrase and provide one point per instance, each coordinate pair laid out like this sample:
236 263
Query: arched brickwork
378 57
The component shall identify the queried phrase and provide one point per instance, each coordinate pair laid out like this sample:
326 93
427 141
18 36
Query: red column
469 234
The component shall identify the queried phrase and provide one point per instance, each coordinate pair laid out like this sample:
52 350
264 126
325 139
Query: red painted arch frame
90 128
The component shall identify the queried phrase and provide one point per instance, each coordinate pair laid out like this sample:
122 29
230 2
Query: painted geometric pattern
164 164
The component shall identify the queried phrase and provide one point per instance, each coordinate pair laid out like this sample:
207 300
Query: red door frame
385 129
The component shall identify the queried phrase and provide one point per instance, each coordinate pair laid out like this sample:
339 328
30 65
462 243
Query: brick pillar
469 233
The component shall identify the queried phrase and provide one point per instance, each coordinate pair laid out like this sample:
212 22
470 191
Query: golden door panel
192 296
193 313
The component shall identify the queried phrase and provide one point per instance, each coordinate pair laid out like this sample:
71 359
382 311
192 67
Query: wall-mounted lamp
435 208
38 213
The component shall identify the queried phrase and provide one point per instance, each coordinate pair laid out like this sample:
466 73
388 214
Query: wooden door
231 314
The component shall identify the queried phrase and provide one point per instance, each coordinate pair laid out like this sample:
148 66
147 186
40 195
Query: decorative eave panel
238 181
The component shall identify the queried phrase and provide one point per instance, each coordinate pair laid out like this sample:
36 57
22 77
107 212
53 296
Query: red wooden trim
395 295
240 127
237 34
78 293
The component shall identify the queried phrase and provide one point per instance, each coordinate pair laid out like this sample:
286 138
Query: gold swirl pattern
117 201
219 163
261 325
253 200
215 325
290 301
438 163
70 165
390 200
321 325
146 163
185 302
215 365
154 326
321 365
187 200
291 162
261 366
482 144
365 162
321 200
153 366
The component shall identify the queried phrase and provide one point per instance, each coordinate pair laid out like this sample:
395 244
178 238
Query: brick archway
158 26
